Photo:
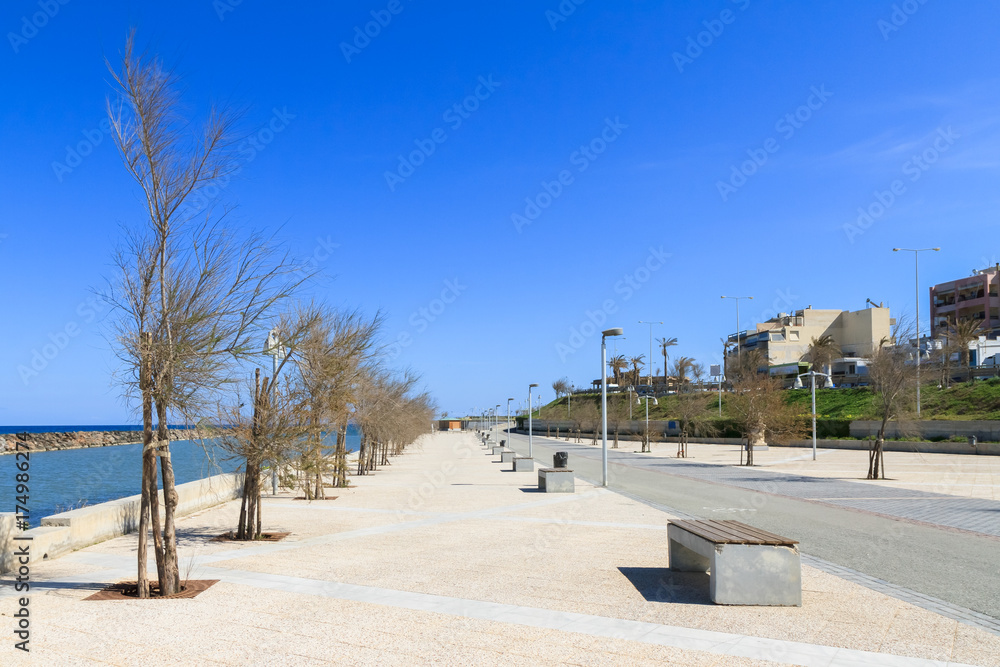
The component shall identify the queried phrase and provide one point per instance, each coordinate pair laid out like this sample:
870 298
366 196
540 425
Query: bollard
560 460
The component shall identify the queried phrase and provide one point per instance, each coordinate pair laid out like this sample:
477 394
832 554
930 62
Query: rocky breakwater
43 442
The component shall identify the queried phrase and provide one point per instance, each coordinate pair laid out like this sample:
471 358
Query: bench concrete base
745 574
507 456
523 464
497 449
556 480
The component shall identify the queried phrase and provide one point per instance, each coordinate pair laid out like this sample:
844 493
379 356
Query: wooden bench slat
732 532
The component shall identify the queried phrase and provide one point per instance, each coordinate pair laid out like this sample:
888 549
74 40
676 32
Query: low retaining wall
924 447
931 428
62 533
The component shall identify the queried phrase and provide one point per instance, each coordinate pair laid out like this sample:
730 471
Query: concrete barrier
62 533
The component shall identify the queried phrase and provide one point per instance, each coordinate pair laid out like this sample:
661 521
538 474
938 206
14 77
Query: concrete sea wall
56 440
62 533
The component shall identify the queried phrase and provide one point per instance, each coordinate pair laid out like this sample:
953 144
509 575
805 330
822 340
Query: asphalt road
958 566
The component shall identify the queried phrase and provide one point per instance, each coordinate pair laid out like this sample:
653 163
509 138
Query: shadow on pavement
661 584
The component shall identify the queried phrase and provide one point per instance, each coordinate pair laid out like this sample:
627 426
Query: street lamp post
278 353
604 401
533 384
827 385
508 417
916 293
655 402
649 360
737 320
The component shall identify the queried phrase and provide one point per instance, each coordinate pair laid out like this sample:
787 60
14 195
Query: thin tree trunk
147 440
170 582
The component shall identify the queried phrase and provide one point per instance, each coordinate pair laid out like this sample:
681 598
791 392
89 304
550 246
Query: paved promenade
943 547
446 557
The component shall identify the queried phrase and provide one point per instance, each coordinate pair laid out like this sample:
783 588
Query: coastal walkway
445 556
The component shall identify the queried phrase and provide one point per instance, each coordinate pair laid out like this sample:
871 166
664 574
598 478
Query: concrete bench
523 464
747 565
498 449
556 480
507 456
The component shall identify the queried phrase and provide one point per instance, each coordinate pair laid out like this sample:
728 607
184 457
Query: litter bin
972 440
560 460
503 443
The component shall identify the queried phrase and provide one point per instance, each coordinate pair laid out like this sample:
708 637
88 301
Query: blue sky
587 173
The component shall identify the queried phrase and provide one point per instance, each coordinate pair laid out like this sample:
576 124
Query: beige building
785 339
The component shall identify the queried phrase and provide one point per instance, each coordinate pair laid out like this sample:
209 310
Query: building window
793 335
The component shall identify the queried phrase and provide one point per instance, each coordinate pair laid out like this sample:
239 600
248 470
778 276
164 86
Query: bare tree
189 294
560 387
335 355
892 382
758 404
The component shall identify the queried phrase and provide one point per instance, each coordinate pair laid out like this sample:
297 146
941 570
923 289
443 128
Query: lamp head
895 249
616 331
533 384
936 249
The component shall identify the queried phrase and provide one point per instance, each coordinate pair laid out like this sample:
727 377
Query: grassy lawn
978 400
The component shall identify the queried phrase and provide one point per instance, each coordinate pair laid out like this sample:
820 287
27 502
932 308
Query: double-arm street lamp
655 402
826 385
916 287
508 417
737 320
607 333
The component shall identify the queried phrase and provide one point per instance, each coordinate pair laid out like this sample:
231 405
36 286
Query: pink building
976 297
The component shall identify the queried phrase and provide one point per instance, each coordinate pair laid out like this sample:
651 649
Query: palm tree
682 366
617 364
664 343
822 352
960 335
636 364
